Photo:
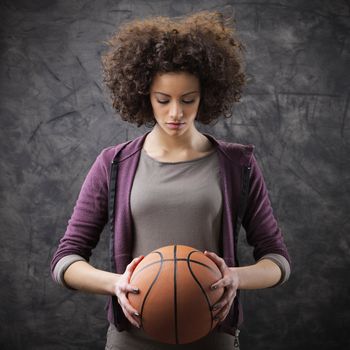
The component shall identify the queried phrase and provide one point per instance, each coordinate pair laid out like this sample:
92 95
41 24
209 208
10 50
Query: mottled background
55 118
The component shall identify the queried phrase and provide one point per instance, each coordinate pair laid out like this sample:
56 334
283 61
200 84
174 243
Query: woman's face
175 100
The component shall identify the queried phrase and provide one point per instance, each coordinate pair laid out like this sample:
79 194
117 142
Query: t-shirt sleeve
61 267
282 263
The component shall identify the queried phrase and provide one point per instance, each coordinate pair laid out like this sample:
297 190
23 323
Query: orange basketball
175 299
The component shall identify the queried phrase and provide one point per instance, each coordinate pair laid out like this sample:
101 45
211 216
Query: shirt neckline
179 162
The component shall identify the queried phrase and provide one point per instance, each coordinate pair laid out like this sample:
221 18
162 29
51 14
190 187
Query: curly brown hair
203 44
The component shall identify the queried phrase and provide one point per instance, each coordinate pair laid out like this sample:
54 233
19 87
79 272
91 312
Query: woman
174 184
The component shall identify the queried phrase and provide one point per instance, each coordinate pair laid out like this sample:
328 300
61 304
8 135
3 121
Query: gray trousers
137 339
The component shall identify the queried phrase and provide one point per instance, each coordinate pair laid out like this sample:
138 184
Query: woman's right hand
123 287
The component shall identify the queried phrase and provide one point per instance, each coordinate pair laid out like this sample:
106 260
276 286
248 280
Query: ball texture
175 300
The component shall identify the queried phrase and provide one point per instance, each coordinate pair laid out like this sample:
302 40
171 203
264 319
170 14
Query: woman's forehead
175 83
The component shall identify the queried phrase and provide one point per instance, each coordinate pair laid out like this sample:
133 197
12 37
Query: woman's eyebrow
162 93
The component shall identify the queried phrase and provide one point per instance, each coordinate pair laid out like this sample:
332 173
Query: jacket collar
236 152
244 155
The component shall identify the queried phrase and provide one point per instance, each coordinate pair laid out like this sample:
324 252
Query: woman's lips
175 125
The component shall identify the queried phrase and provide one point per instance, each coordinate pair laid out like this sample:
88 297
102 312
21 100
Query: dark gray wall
55 119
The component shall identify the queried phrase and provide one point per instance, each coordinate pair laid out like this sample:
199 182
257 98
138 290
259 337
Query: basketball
175 299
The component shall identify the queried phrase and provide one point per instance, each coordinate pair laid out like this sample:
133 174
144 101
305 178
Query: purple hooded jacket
91 213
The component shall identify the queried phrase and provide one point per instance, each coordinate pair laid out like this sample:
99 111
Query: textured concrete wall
55 118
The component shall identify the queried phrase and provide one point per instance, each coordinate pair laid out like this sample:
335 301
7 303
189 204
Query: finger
222 283
131 318
231 295
220 318
132 265
211 255
126 288
128 307
222 314
217 284
131 313
226 299
220 262
137 260
129 288
123 287
220 309
217 307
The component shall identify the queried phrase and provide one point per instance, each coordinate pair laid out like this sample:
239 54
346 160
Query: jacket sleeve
259 222
89 216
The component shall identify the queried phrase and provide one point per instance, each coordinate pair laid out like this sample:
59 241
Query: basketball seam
151 286
201 287
175 297
166 260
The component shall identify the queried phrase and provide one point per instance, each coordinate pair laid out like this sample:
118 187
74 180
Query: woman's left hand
230 283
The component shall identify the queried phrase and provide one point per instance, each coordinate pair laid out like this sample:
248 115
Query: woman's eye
184 101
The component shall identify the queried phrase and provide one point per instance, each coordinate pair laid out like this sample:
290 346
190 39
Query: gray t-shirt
176 203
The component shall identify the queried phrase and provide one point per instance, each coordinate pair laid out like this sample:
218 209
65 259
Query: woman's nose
176 111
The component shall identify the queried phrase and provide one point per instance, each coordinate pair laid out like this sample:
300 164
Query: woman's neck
190 145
